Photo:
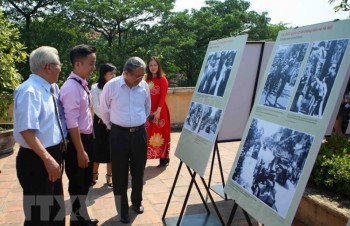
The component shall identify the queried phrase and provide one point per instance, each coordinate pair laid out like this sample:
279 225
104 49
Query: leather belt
87 136
129 129
54 147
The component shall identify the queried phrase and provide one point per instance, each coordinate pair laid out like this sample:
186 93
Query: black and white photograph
271 163
194 116
209 122
318 77
283 75
203 120
216 72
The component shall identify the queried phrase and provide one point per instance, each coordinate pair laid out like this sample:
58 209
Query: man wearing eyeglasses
125 105
39 128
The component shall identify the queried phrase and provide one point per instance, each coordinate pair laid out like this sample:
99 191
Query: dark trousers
128 150
43 200
80 179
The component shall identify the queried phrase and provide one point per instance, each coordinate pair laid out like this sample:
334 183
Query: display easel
218 189
201 219
198 219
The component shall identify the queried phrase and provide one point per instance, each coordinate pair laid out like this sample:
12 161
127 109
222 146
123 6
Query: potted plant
11 53
326 197
6 138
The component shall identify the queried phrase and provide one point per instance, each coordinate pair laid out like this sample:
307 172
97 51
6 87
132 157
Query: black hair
104 68
80 51
160 71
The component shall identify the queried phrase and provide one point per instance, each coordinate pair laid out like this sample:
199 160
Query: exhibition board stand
219 188
233 212
292 111
295 104
204 118
198 219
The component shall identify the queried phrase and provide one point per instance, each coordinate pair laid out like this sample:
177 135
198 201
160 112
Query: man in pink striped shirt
76 99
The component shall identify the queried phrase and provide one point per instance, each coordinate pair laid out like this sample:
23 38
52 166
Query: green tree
175 43
260 29
56 32
120 29
122 25
183 37
27 10
343 5
273 30
11 52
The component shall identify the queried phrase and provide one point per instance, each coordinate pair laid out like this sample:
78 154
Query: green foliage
343 5
182 38
123 26
11 53
332 166
120 29
56 32
24 11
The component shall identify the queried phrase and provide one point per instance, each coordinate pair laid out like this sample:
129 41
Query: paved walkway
158 183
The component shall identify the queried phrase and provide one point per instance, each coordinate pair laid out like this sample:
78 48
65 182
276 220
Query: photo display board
306 75
255 57
209 101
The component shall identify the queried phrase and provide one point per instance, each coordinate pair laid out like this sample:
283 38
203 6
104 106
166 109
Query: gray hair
133 63
42 56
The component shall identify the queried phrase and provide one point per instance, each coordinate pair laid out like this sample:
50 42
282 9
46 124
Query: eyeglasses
59 64
140 77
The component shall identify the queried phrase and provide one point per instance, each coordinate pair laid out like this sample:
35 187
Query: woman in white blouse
101 141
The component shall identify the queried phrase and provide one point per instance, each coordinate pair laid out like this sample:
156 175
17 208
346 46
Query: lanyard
86 90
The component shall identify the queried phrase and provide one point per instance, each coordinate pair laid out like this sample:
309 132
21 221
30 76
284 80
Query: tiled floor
158 183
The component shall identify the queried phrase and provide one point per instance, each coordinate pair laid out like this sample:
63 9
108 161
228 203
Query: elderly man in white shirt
125 104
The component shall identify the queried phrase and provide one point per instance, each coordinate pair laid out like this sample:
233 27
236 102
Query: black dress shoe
74 223
91 222
125 219
82 222
163 164
138 208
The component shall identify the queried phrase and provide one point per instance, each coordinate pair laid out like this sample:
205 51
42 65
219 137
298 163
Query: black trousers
128 150
43 200
80 179
101 142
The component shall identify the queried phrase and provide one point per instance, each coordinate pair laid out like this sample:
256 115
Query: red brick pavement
158 183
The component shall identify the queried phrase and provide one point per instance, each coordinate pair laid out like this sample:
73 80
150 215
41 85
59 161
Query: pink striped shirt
76 99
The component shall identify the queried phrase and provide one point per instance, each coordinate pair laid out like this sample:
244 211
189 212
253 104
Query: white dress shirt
124 106
96 93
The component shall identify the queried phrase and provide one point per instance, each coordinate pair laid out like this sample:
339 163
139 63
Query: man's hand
83 159
53 169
